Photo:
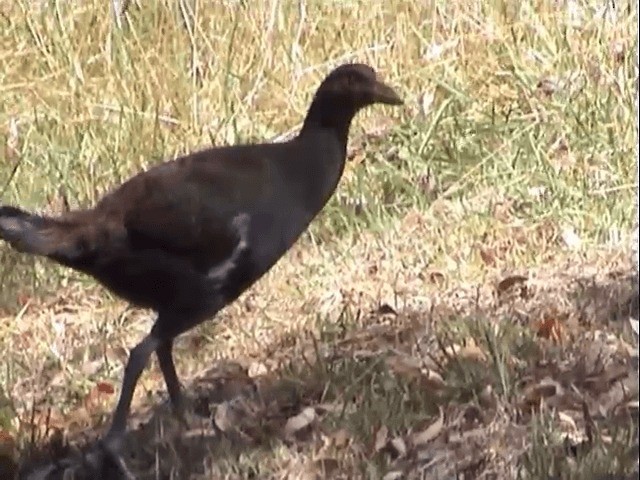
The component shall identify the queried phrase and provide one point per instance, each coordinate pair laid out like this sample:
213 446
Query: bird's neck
333 116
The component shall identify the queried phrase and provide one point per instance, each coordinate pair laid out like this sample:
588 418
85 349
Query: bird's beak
383 93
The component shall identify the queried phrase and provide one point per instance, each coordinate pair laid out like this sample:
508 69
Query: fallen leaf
386 309
436 277
568 422
382 439
570 238
547 86
419 439
471 351
634 325
12 149
299 422
487 397
404 365
510 282
97 399
488 256
426 102
393 475
546 388
550 328
433 380
105 387
333 407
341 438
468 351
399 446
356 156
225 417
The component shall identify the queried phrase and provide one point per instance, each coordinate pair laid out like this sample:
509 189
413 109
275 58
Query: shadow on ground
242 420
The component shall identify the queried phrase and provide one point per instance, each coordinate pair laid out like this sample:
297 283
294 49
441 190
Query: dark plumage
188 236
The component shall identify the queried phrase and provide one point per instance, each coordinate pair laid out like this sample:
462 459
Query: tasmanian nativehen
186 237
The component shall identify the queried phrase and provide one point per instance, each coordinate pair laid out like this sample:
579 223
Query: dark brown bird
187 237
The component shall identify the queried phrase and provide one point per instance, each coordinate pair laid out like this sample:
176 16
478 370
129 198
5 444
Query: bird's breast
272 233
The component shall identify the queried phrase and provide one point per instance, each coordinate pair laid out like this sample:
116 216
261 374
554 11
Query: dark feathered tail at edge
38 235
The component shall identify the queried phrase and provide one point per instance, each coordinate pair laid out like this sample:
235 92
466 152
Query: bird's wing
198 216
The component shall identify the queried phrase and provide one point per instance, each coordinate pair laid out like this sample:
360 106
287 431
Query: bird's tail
39 235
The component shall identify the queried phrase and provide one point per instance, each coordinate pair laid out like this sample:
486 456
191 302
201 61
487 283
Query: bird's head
356 84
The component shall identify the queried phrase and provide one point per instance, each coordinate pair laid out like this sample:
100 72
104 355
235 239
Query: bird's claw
106 460
103 461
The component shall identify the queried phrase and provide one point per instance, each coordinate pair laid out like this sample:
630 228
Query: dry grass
387 326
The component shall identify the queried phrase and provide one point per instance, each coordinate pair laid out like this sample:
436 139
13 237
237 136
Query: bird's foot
102 461
106 461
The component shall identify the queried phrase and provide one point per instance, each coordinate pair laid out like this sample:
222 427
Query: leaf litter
472 374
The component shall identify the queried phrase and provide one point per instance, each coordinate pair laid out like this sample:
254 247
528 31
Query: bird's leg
111 443
165 359
138 360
